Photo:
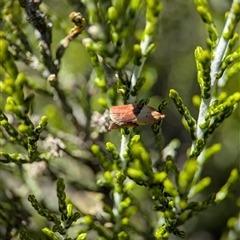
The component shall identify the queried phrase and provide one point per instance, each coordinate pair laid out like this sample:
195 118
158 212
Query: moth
132 115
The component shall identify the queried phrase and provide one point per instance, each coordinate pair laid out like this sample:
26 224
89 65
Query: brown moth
131 115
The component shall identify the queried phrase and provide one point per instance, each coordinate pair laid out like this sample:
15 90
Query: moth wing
123 118
124 114
148 115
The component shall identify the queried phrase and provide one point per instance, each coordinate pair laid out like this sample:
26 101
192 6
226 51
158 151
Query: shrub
174 177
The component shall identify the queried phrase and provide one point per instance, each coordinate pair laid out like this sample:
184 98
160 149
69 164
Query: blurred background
170 66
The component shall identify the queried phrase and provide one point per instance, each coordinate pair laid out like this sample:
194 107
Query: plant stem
218 56
215 66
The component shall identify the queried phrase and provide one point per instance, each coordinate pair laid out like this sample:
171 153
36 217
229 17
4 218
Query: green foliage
67 218
131 183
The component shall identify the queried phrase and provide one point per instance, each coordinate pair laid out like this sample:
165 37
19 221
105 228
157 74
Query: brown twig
39 22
